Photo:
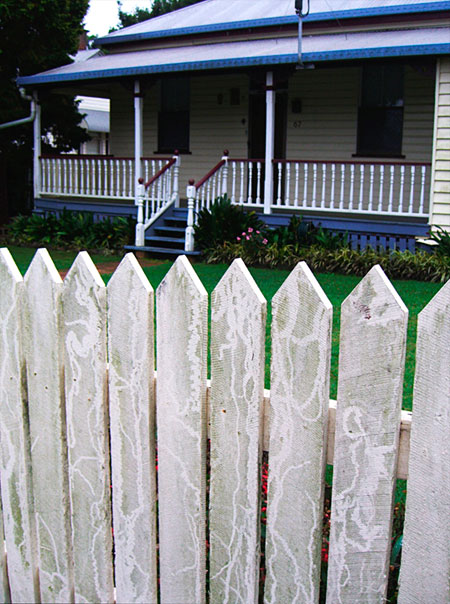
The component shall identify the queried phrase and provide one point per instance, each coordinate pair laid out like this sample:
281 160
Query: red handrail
158 174
210 173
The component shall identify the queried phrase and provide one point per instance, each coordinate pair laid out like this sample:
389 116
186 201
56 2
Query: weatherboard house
347 123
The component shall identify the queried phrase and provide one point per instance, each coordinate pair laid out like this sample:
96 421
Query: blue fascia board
312 57
288 20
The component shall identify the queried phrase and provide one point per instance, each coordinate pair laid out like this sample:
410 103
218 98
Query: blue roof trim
334 55
292 19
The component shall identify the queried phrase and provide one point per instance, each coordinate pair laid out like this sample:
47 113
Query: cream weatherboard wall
440 196
325 129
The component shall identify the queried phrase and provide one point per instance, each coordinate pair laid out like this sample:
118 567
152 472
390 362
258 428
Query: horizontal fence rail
395 189
119 484
94 176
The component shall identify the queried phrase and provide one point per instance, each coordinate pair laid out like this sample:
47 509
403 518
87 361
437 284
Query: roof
220 15
330 47
96 121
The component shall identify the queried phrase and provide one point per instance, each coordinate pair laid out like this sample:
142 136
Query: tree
158 7
36 35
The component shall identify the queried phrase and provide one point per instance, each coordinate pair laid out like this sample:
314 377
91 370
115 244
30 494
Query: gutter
24 120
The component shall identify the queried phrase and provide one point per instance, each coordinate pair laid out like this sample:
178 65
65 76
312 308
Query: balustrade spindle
250 182
131 178
314 185
287 187
391 189
411 191
98 175
341 201
380 196
279 180
422 190
333 184
89 176
324 178
297 172
305 185
402 188
258 182
233 182
372 176
361 187
352 186
241 192
106 178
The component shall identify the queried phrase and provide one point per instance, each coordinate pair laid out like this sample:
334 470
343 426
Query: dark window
173 117
380 115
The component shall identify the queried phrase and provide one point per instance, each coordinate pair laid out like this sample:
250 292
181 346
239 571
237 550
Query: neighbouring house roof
272 51
96 121
220 15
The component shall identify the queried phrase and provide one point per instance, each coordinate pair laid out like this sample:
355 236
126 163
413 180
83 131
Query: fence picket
425 568
16 488
43 347
132 421
237 392
5 595
84 303
301 348
182 305
371 365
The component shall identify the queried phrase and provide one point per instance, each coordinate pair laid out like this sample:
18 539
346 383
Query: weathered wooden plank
237 392
301 346
371 365
131 407
84 304
5 595
425 568
43 347
20 534
182 305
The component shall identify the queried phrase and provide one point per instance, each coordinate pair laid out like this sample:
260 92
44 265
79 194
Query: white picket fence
78 397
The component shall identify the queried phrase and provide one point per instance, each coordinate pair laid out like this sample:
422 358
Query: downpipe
25 120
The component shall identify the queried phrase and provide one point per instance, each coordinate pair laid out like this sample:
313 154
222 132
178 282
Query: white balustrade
357 187
93 177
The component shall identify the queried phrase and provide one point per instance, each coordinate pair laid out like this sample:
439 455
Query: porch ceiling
431 41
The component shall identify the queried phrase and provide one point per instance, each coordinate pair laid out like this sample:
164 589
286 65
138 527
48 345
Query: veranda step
161 239
170 229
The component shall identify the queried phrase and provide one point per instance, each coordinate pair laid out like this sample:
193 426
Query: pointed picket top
43 347
131 407
370 383
9 273
425 567
84 304
182 332
14 439
42 266
301 346
237 391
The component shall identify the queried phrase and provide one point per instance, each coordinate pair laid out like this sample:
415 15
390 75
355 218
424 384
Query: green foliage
71 230
158 7
328 240
36 35
442 237
397 265
299 232
224 222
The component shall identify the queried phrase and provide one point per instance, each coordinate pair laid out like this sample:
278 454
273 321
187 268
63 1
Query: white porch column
36 146
138 136
270 142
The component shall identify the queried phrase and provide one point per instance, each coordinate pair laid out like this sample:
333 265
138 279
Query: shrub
442 237
71 229
397 265
223 222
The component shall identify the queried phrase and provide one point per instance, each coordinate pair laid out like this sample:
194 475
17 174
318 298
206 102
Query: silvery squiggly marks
237 390
43 346
15 447
84 302
301 348
131 406
367 431
182 306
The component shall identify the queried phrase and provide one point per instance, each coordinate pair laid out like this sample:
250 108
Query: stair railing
200 195
156 196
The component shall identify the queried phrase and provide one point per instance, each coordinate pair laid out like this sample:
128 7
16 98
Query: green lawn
415 294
